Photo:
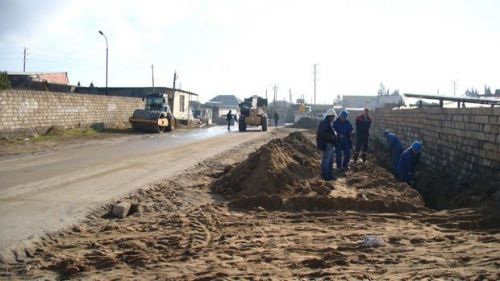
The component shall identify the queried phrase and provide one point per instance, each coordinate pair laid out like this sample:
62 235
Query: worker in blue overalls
344 130
394 145
408 163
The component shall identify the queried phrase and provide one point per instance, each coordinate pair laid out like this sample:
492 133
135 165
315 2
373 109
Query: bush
4 81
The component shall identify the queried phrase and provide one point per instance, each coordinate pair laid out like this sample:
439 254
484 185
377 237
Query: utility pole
24 60
175 78
290 95
275 88
454 87
106 38
153 77
315 81
266 94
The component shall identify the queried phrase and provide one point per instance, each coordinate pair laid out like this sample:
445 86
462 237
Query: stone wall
26 112
462 144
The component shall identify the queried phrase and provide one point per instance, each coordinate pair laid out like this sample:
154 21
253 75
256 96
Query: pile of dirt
284 174
306 123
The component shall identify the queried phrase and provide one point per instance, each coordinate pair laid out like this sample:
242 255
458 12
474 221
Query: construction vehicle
253 113
155 117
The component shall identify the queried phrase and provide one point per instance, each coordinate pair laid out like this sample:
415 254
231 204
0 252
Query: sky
246 47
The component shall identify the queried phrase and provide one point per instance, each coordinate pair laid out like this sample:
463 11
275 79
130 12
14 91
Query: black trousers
361 145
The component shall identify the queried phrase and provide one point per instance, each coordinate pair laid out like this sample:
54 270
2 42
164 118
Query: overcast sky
245 47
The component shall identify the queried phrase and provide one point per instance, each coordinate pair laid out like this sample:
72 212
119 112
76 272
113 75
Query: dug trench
442 191
260 211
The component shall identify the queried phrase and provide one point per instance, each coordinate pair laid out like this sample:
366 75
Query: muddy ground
194 227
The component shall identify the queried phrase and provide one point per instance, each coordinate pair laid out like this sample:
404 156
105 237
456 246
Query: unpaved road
47 191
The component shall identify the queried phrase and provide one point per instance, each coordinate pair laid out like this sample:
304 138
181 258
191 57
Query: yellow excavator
155 117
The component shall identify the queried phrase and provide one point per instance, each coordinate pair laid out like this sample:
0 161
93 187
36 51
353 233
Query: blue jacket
393 143
343 130
407 164
325 134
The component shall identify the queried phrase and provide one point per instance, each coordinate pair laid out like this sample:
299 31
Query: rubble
121 209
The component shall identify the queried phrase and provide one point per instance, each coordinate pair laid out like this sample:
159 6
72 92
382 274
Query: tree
395 93
381 90
4 81
487 91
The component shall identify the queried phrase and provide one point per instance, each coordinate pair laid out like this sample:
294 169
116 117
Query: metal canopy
459 100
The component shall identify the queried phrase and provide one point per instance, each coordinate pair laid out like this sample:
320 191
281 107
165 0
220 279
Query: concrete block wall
463 142
27 112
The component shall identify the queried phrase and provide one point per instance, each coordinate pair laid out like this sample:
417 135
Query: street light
100 32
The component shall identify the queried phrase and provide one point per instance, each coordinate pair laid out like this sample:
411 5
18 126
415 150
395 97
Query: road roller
156 116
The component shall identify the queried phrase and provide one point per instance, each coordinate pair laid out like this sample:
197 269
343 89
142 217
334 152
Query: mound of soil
277 167
306 123
284 174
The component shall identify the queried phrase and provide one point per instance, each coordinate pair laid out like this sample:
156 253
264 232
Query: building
221 104
179 100
371 102
17 78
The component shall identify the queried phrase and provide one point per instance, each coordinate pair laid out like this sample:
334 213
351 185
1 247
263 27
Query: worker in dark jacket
229 117
363 125
408 163
344 129
325 140
395 147
276 118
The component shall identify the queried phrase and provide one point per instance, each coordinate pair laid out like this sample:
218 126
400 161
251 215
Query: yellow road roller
156 116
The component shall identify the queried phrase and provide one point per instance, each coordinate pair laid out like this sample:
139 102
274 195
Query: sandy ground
46 191
185 232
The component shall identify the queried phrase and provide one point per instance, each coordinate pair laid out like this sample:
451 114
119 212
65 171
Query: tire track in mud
185 233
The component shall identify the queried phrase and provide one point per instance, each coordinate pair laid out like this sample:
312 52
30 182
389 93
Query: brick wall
463 142
25 112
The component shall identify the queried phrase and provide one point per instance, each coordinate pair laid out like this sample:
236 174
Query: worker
325 140
276 118
363 125
408 163
395 147
344 129
229 117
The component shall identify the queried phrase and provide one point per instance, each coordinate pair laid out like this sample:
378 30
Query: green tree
4 81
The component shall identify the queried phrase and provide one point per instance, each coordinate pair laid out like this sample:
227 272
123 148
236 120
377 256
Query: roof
33 73
226 100
369 101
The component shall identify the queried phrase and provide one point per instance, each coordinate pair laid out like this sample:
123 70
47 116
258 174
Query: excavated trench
439 189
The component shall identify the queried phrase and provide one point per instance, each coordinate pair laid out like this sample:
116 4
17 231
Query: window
181 103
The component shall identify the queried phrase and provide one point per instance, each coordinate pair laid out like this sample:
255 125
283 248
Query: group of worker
334 140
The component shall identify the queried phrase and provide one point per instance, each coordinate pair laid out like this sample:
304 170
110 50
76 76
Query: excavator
253 113
156 116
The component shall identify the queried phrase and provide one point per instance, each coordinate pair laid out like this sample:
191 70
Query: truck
253 113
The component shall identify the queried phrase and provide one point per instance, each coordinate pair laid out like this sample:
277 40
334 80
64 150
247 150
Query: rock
121 209
260 209
322 190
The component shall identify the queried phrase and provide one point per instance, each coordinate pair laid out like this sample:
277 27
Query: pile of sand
284 174
306 123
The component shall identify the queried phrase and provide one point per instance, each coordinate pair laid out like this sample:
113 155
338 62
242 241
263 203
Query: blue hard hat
417 146
386 133
344 114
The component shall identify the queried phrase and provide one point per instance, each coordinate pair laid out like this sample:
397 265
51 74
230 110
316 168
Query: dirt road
47 191
186 232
